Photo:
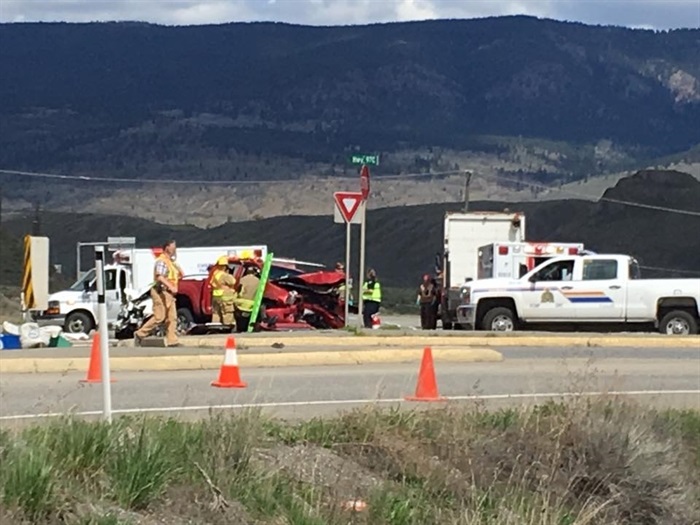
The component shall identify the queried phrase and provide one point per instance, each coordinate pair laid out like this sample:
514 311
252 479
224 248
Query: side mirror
86 286
532 278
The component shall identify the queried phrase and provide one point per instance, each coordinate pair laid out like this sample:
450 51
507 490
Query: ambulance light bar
539 249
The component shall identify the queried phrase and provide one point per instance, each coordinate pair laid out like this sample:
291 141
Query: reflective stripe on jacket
244 305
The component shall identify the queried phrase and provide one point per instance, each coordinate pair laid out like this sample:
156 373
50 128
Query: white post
104 334
362 261
348 230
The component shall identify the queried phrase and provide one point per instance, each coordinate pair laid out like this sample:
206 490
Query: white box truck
75 309
464 234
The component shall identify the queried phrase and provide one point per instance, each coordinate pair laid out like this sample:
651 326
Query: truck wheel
499 319
678 322
78 322
185 319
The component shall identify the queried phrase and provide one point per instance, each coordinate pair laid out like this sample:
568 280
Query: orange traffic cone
229 375
426 389
94 373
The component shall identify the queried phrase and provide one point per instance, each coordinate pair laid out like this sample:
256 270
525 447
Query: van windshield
79 285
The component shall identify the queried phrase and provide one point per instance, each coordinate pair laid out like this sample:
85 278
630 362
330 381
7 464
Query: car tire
500 319
447 325
678 322
185 319
78 322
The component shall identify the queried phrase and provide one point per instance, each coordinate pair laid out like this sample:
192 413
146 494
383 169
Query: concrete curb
213 362
603 341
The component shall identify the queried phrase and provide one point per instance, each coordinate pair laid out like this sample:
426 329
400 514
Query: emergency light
503 250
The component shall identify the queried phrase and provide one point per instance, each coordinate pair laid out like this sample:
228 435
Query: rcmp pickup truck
582 289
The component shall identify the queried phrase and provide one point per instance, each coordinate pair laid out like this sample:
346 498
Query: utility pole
36 223
467 182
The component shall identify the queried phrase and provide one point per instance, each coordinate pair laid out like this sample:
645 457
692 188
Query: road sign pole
361 280
104 334
348 230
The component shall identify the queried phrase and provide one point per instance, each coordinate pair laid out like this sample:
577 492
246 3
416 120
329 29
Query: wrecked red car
297 296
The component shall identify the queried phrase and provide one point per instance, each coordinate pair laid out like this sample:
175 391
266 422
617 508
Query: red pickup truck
298 299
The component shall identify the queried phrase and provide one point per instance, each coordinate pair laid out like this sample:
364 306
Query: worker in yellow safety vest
166 276
223 293
371 298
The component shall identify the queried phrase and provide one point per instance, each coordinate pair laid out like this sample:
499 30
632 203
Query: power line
89 178
603 199
671 270
379 179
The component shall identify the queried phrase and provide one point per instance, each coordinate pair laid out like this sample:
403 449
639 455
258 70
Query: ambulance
75 309
512 260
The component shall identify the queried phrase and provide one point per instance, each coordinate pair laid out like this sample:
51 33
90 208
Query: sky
650 14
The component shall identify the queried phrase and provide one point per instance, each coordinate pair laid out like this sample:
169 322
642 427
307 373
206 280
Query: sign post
348 230
364 188
347 205
104 334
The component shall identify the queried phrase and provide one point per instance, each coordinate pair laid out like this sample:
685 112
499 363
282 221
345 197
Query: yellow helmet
222 261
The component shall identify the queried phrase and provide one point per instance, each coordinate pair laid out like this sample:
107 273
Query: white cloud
415 10
633 13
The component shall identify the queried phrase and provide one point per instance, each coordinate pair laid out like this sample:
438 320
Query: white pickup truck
583 289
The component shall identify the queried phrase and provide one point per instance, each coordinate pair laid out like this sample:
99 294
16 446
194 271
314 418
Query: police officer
371 297
427 300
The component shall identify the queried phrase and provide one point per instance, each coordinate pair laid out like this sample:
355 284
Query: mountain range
523 99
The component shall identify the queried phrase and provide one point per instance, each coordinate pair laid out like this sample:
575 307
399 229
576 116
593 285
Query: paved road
308 391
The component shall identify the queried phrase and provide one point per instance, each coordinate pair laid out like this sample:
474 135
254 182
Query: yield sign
348 203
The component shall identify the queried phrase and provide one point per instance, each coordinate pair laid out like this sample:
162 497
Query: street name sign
369 160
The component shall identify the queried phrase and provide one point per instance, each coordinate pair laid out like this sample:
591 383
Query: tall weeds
578 463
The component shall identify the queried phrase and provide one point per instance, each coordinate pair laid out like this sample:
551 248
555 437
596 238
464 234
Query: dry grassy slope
402 241
212 205
209 206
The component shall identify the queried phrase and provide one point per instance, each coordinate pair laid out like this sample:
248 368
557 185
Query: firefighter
245 300
371 298
223 293
340 268
166 276
428 301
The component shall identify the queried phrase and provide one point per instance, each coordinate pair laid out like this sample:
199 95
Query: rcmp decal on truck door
586 297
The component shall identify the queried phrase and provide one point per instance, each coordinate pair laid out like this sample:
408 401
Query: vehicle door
638 305
543 299
599 292
115 281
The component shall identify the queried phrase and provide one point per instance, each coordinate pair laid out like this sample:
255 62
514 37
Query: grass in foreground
578 463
